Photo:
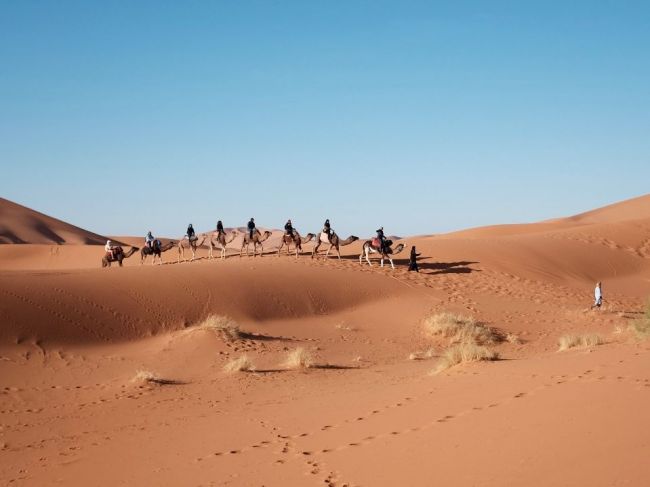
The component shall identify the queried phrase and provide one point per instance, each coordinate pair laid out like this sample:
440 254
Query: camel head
398 249
349 240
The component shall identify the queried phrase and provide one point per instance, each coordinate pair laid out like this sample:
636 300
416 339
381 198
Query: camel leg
327 254
367 252
391 263
338 251
314 251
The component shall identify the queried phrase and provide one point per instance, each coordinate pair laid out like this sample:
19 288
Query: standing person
598 296
220 228
191 234
288 228
251 227
413 261
148 240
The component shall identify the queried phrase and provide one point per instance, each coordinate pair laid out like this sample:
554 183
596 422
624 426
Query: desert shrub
299 358
225 327
241 364
464 353
429 353
579 341
460 329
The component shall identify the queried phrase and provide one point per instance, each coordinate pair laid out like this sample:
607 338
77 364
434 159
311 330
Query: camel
372 247
118 256
156 251
296 240
218 239
192 245
334 241
257 239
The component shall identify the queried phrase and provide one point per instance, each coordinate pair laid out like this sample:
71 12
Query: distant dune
22 225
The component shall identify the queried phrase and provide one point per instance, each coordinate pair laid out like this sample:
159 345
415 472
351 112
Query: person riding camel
149 240
327 229
110 250
191 234
288 228
220 229
381 238
251 227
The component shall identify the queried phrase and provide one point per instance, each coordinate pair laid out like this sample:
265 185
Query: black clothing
326 227
382 239
251 228
219 227
190 232
413 262
288 228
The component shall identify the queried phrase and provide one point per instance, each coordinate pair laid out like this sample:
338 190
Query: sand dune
21 225
115 367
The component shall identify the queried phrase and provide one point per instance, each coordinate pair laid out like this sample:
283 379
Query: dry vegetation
467 337
579 341
641 327
460 329
241 364
225 327
144 376
299 358
429 353
464 353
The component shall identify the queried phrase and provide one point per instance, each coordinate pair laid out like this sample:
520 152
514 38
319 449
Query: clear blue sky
423 117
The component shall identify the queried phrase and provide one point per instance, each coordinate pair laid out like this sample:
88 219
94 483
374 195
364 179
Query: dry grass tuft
345 327
241 364
512 338
299 359
429 353
223 326
579 341
641 328
460 329
464 353
151 378
145 376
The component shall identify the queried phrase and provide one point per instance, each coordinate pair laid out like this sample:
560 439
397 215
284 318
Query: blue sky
423 117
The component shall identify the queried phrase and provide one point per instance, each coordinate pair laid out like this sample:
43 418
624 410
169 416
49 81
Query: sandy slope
22 225
74 337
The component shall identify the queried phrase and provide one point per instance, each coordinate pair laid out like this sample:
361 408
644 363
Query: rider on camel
220 229
327 229
110 250
149 240
191 234
251 227
381 238
288 228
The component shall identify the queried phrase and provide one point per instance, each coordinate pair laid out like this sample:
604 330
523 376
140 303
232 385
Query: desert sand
116 376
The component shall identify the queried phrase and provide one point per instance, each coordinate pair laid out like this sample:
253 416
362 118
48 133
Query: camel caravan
220 240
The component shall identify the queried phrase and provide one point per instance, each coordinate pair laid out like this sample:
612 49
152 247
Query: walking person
413 261
598 296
